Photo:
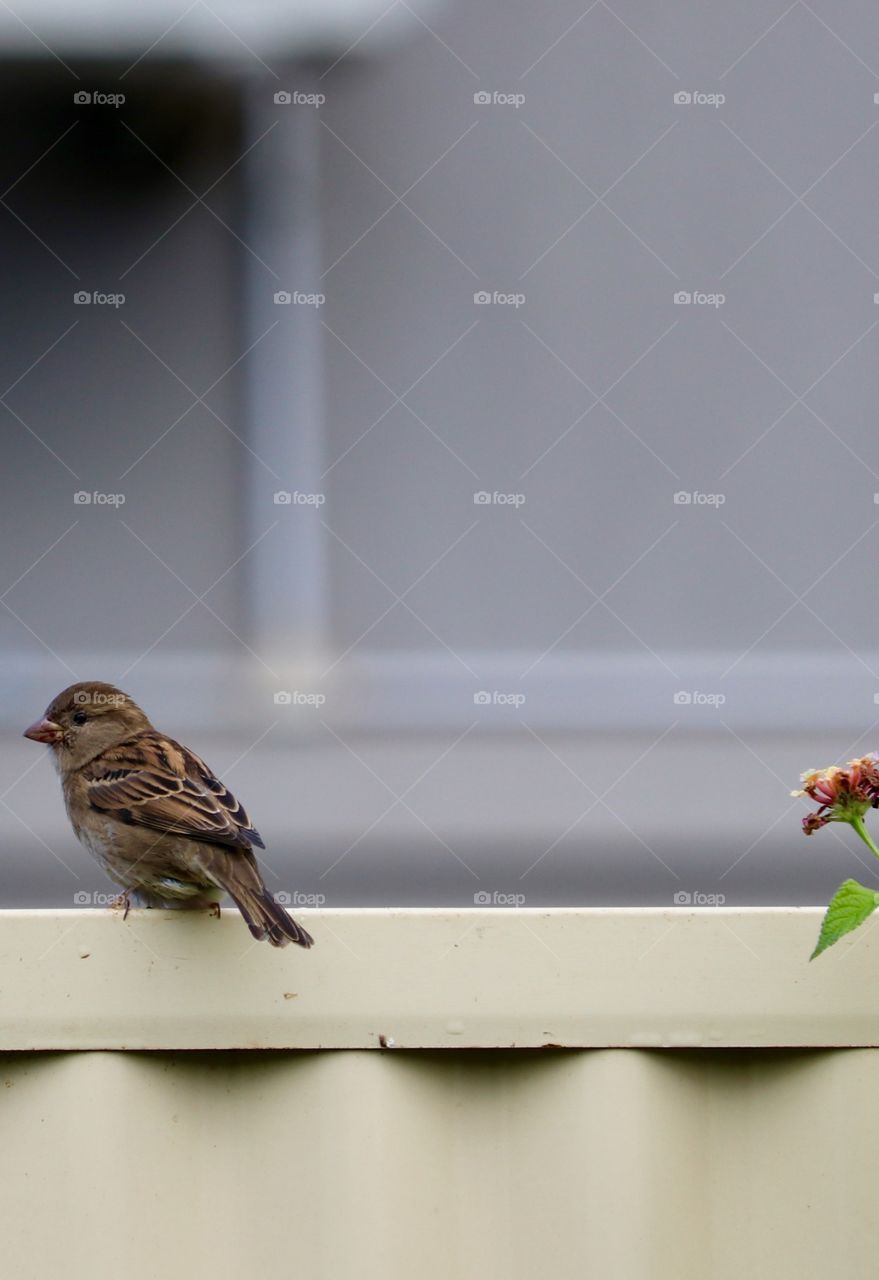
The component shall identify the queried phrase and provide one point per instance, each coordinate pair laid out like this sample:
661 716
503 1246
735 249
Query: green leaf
850 906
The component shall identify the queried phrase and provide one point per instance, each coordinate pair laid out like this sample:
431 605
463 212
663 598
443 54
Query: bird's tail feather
267 919
237 874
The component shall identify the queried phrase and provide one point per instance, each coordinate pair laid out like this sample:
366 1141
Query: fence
623 1093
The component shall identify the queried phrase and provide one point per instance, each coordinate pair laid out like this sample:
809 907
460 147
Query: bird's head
86 719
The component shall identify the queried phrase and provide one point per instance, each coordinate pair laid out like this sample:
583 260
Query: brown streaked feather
237 874
151 781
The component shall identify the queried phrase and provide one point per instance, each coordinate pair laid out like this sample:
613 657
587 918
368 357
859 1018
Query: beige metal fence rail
629 1093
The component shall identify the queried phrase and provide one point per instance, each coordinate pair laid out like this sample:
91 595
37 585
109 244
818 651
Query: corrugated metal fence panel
435 979
357 1165
481 1162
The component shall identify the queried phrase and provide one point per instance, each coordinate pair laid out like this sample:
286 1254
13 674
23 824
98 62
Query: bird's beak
44 731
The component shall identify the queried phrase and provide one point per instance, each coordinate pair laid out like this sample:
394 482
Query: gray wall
691 408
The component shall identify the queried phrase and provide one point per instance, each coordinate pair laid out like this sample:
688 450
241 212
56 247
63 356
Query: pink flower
843 795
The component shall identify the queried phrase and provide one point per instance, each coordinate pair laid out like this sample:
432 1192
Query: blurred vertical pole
284 395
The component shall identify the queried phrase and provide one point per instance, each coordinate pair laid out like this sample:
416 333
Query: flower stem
858 824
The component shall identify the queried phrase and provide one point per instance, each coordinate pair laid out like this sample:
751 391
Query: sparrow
153 814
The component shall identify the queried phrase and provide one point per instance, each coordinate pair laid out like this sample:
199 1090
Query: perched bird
156 817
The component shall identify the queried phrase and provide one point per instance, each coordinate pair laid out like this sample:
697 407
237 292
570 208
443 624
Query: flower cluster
843 795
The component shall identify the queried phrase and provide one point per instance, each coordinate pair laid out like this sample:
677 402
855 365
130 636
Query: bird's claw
122 902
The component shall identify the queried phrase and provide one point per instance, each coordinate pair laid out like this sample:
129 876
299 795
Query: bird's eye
79 717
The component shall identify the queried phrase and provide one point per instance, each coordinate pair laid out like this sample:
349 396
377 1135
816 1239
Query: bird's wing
152 781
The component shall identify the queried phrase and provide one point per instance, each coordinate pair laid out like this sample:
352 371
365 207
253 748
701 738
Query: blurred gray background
557 326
